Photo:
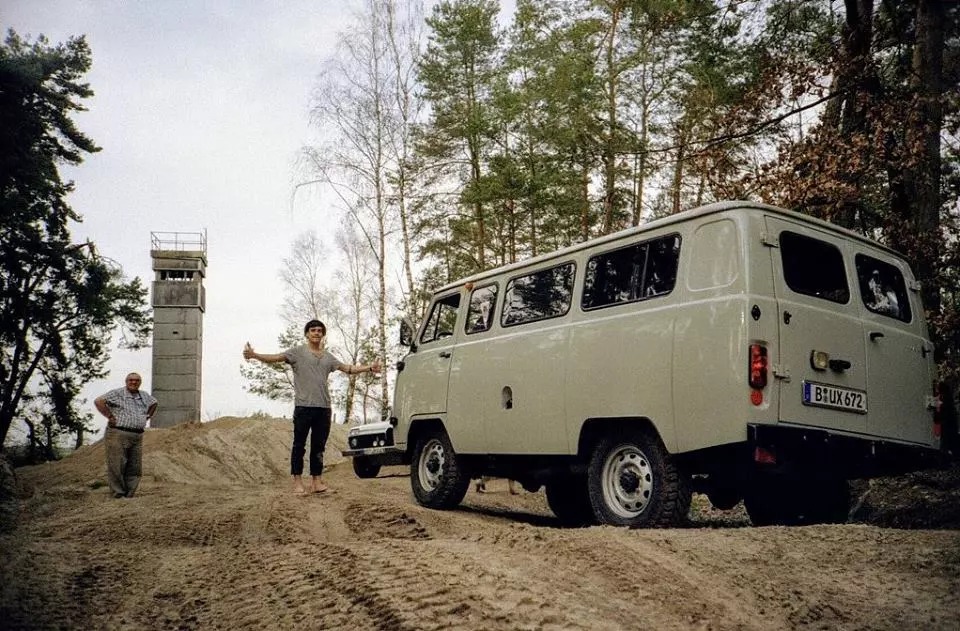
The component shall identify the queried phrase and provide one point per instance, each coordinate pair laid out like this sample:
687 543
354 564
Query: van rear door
899 356
821 363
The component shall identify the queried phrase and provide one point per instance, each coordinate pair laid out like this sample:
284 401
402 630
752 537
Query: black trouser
316 422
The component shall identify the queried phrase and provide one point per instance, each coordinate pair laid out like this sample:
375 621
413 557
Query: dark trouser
124 460
316 422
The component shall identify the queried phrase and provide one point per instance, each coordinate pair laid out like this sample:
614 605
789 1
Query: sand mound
225 452
241 451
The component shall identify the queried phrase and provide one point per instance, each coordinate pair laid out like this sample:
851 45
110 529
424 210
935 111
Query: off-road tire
633 481
569 499
365 467
436 476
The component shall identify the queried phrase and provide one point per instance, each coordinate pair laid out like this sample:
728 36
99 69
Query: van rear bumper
790 446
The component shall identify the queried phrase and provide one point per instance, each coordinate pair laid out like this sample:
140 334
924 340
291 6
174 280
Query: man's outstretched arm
249 353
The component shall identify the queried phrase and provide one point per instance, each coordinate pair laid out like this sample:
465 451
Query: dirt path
235 555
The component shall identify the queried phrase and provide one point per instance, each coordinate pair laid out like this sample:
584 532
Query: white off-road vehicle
738 349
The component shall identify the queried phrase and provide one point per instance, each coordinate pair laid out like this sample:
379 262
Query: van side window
639 271
442 320
537 296
813 267
480 310
882 288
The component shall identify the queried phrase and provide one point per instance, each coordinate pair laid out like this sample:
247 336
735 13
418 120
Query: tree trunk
585 202
609 149
923 137
677 185
858 83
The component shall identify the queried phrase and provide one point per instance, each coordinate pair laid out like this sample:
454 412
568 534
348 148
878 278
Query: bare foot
320 488
298 485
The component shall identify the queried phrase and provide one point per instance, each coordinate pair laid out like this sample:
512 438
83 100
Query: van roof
681 217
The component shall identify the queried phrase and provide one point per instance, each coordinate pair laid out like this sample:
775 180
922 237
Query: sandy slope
216 541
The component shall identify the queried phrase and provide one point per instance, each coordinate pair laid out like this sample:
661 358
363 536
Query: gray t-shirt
310 373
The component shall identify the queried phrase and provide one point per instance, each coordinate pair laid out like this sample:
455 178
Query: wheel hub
431 465
627 481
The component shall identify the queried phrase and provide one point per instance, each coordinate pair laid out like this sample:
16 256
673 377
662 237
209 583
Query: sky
200 109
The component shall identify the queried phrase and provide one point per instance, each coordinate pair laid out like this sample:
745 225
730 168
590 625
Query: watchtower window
176 275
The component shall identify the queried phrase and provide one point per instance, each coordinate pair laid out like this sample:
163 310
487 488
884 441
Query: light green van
740 350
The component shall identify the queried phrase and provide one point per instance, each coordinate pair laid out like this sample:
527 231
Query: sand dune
215 540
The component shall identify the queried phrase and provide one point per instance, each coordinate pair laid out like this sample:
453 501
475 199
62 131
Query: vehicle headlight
353 442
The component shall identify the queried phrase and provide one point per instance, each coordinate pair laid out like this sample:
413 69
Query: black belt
129 429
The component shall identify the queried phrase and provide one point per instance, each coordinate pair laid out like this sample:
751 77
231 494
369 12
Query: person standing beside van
127 410
312 365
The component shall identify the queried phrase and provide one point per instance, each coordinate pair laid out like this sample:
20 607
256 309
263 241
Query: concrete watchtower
179 300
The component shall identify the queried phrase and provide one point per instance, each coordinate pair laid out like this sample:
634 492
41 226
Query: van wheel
632 481
436 476
365 467
569 499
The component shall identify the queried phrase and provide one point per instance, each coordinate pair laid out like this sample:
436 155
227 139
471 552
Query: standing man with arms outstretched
312 365
128 410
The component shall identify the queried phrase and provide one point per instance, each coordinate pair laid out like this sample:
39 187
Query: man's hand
375 366
248 353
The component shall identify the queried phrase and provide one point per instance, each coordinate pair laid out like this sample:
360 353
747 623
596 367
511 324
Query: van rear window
882 288
636 272
538 296
813 267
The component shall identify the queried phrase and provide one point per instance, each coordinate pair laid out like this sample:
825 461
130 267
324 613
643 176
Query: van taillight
758 366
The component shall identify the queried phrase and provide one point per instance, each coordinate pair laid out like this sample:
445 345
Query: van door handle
445 354
875 335
839 365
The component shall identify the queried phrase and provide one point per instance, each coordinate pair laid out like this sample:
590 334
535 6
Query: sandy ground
215 540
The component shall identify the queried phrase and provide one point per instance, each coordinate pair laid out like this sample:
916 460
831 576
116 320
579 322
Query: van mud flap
779 448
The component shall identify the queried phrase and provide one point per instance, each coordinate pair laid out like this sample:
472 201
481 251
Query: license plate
824 396
373 451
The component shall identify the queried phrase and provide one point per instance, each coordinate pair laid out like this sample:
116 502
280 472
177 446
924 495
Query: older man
128 410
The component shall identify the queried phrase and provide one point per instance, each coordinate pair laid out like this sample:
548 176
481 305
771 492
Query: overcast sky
200 108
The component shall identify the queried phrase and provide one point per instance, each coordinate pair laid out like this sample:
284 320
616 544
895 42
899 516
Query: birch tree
364 107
